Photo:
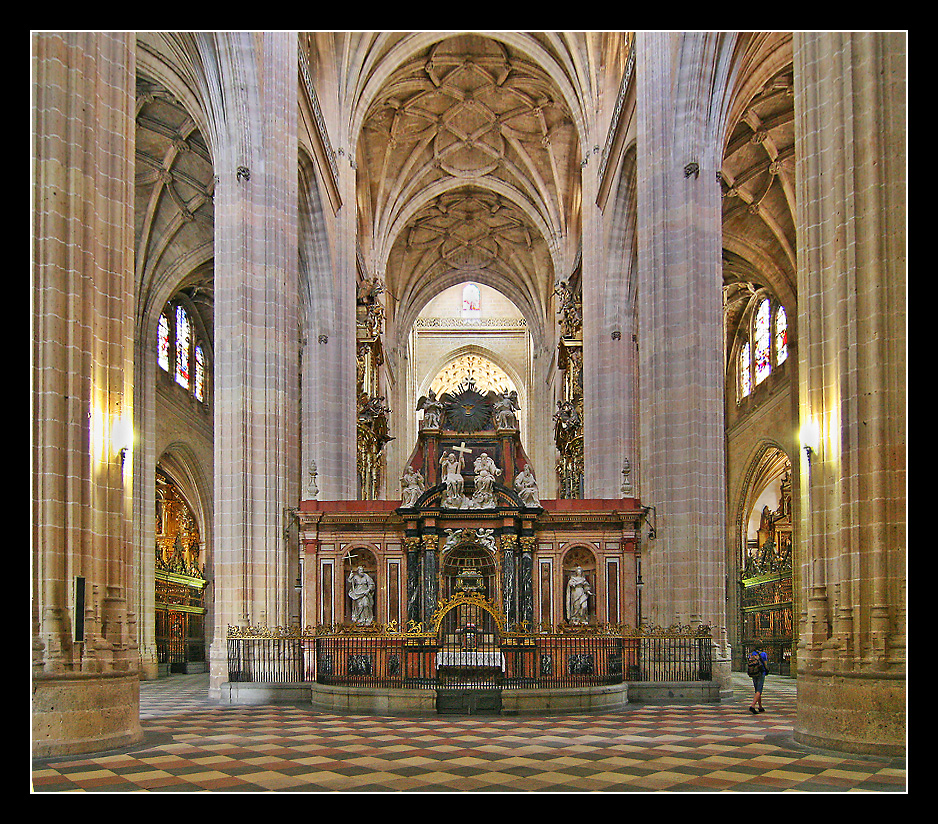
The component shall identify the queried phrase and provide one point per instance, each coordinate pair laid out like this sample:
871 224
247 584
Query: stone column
680 79
256 397
850 110
85 687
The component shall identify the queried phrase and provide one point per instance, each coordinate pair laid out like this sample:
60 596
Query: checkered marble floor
195 745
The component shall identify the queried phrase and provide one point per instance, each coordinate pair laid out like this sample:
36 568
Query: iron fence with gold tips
466 643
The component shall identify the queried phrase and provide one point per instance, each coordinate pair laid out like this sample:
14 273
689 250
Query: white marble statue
578 594
312 491
361 591
483 496
432 410
526 487
506 405
412 486
452 477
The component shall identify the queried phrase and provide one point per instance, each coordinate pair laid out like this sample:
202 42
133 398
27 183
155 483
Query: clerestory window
763 343
180 350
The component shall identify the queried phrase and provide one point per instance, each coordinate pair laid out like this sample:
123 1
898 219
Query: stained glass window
471 300
781 335
763 340
183 333
745 378
199 374
162 345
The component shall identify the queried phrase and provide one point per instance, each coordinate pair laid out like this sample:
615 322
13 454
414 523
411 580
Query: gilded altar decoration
178 542
568 419
569 310
373 415
766 590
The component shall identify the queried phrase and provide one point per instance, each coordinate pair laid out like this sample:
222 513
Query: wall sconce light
810 437
653 523
122 438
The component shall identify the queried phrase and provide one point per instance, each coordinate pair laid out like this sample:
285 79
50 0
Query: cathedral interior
482 344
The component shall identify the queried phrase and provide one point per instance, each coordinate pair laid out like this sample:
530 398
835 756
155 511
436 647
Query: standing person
757 667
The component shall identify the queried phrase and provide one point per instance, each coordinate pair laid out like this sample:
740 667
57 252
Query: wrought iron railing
544 658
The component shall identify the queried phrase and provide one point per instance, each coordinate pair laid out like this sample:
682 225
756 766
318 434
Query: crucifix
462 449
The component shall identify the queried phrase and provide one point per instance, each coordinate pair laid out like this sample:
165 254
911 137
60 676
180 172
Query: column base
75 713
861 713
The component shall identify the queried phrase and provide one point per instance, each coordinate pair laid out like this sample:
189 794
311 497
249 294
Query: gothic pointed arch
183 562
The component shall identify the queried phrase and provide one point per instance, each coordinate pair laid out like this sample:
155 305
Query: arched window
162 344
199 374
183 335
471 301
781 336
180 350
763 342
762 339
745 375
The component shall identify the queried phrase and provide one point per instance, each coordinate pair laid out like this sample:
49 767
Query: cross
349 556
462 448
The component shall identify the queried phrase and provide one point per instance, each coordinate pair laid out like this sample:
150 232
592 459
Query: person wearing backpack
757 667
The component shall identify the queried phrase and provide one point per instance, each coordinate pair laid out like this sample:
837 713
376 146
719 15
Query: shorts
758 681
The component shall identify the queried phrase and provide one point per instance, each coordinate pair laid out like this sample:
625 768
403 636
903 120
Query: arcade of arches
279 278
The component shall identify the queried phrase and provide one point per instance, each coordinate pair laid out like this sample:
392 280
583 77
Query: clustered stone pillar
850 175
85 679
256 358
680 336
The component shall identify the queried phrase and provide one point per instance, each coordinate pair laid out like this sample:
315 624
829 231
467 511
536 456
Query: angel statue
368 290
506 405
432 410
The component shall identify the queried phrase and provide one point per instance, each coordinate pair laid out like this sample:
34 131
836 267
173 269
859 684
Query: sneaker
753 710
761 709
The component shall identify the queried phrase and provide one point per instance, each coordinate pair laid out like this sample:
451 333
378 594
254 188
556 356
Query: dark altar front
470 522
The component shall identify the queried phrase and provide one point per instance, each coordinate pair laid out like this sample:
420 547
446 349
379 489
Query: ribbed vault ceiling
174 208
468 168
759 199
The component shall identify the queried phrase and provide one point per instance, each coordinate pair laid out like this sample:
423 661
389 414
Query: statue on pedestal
505 406
412 486
578 593
526 487
432 410
361 591
483 497
452 477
